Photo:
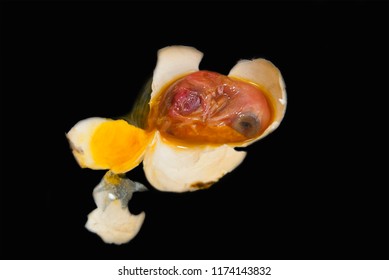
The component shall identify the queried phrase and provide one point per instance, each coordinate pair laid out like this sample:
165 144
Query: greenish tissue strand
140 110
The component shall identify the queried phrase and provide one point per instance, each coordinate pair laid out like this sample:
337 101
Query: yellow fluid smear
118 146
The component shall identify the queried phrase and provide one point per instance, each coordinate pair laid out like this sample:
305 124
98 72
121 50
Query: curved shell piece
172 62
115 224
179 169
112 221
268 76
101 143
79 138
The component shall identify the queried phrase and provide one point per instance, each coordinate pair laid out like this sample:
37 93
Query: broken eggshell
173 165
102 143
112 220
107 144
114 224
181 168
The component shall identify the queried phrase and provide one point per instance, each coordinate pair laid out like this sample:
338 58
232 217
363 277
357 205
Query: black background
316 188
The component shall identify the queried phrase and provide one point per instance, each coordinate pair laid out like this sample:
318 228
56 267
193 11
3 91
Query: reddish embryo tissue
206 106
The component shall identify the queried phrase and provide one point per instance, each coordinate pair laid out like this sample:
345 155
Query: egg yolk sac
208 107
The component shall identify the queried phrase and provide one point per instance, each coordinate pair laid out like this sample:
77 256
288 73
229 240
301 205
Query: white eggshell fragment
179 169
79 138
111 221
115 224
101 143
172 62
262 72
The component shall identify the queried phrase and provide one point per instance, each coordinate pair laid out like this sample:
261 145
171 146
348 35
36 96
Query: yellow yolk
118 146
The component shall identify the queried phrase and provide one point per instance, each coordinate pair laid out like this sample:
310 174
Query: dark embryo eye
246 124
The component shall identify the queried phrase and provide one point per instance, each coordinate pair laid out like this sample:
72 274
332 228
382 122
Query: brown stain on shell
202 185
